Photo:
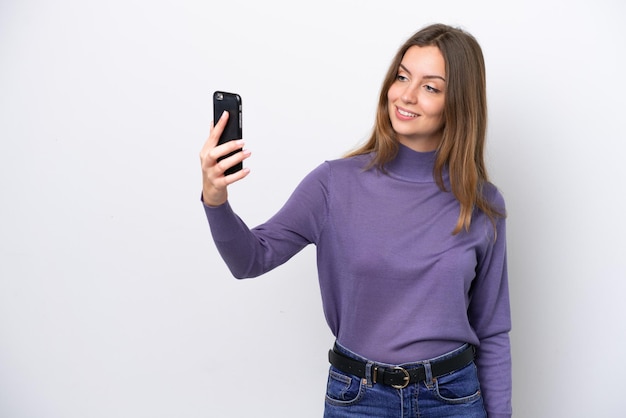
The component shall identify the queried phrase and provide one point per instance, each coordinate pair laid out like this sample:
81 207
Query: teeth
407 114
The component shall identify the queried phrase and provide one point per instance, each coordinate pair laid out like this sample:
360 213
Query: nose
409 95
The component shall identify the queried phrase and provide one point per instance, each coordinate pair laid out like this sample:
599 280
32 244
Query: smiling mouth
406 114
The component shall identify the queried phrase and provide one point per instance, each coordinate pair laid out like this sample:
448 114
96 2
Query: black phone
232 103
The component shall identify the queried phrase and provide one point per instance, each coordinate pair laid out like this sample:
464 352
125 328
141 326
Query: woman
410 240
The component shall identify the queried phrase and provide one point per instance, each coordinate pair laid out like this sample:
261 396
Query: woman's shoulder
494 196
340 169
359 162
341 165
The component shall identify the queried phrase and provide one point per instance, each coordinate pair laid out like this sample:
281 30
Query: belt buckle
406 378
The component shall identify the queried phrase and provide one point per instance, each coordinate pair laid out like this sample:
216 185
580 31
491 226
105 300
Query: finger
232 178
216 130
215 133
218 127
224 149
232 160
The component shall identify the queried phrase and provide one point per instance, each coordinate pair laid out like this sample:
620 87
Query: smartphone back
230 102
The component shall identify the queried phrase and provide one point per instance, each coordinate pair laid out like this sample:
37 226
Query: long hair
465 120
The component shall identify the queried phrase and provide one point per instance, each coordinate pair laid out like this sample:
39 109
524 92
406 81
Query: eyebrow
426 76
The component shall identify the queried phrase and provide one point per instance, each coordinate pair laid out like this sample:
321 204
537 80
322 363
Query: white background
113 299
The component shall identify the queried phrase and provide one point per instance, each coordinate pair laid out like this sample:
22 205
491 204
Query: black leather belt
399 377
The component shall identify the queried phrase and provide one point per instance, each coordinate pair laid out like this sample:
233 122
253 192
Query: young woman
410 239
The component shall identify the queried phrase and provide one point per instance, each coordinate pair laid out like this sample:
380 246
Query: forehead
424 60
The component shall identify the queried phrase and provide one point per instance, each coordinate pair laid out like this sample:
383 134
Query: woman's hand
214 182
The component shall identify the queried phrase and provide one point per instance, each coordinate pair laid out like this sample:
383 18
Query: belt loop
430 380
369 369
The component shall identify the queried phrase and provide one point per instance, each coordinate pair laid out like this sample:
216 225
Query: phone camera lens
219 96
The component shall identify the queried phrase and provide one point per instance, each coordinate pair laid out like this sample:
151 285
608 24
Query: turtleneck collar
413 166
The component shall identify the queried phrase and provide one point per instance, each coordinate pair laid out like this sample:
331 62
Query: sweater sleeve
490 316
252 252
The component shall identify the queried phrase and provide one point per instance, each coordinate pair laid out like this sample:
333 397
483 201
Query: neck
421 144
412 165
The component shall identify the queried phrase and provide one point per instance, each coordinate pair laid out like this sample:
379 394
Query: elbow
241 276
244 272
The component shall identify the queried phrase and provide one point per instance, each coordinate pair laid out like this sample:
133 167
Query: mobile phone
230 102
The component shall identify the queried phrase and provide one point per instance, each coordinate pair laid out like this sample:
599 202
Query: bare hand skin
214 183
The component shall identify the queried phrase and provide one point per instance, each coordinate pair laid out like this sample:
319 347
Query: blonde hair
465 120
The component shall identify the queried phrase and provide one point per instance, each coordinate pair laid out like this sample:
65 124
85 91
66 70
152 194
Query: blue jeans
456 394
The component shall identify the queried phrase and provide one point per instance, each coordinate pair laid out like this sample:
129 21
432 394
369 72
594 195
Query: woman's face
416 98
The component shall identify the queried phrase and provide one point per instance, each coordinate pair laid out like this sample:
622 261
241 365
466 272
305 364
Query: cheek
435 109
392 94
438 120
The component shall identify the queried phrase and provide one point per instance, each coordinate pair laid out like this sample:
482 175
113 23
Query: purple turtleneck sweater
397 286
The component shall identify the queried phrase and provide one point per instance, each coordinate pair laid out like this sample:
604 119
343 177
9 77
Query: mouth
405 114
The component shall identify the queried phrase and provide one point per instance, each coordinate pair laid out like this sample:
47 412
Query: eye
401 77
431 89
